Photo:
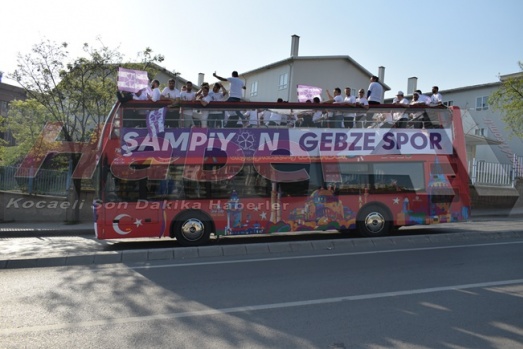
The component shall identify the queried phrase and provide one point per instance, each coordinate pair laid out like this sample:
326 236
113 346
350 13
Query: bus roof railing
271 105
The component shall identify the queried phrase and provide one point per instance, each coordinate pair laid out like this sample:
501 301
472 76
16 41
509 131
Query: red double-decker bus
156 179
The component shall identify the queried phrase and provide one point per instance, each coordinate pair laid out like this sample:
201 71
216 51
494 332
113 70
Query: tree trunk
73 196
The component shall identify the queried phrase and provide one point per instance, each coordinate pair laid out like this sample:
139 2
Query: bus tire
192 228
374 221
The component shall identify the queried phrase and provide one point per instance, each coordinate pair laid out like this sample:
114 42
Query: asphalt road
458 295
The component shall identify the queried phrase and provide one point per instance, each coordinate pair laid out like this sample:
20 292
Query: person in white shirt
155 94
140 95
274 117
236 86
171 92
235 95
436 99
400 118
253 118
187 113
317 116
362 102
382 120
216 117
348 118
375 91
204 99
418 118
420 99
336 119
374 96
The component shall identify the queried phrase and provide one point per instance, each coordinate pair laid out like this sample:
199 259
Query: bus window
354 176
302 188
134 118
388 176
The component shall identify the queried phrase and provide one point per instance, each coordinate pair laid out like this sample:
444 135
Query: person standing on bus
374 96
422 99
348 118
418 118
204 99
436 99
171 92
187 113
140 95
336 119
236 87
235 95
375 91
400 118
361 101
155 94
317 117
217 117
253 118
275 119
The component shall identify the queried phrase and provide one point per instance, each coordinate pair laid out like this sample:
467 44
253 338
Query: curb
145 256
34 233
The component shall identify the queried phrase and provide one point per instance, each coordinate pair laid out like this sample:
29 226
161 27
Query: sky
449 43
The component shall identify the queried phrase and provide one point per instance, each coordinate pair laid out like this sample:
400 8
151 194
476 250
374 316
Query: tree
509 100
78 93
25 120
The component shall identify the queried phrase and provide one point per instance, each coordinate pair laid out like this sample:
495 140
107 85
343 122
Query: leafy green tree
25 120
509 100
78 93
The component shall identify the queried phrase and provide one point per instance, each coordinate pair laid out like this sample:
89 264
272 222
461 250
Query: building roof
9 92
472 87
306 58
169 73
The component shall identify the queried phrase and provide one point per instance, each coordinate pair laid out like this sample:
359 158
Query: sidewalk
36 229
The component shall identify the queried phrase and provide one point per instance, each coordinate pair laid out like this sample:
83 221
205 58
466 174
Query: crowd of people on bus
188 117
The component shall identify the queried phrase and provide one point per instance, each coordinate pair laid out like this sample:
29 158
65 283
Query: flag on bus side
132 80
156 122
306 92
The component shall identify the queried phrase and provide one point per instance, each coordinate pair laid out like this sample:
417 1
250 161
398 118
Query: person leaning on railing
362 102
400 118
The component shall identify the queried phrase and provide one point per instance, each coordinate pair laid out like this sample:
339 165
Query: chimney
295 43
412 85
200 79
381 74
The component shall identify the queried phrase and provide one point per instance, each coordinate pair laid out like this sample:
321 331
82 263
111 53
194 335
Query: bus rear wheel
374 221
192 228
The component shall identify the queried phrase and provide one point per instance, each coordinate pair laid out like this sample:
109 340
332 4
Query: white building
280 79
494 153
480 120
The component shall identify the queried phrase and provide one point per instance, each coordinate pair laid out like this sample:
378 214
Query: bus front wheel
192 229
374 221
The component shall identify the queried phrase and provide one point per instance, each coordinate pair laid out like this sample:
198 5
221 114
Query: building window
254 88
284 81
482 103
480 132
448 103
